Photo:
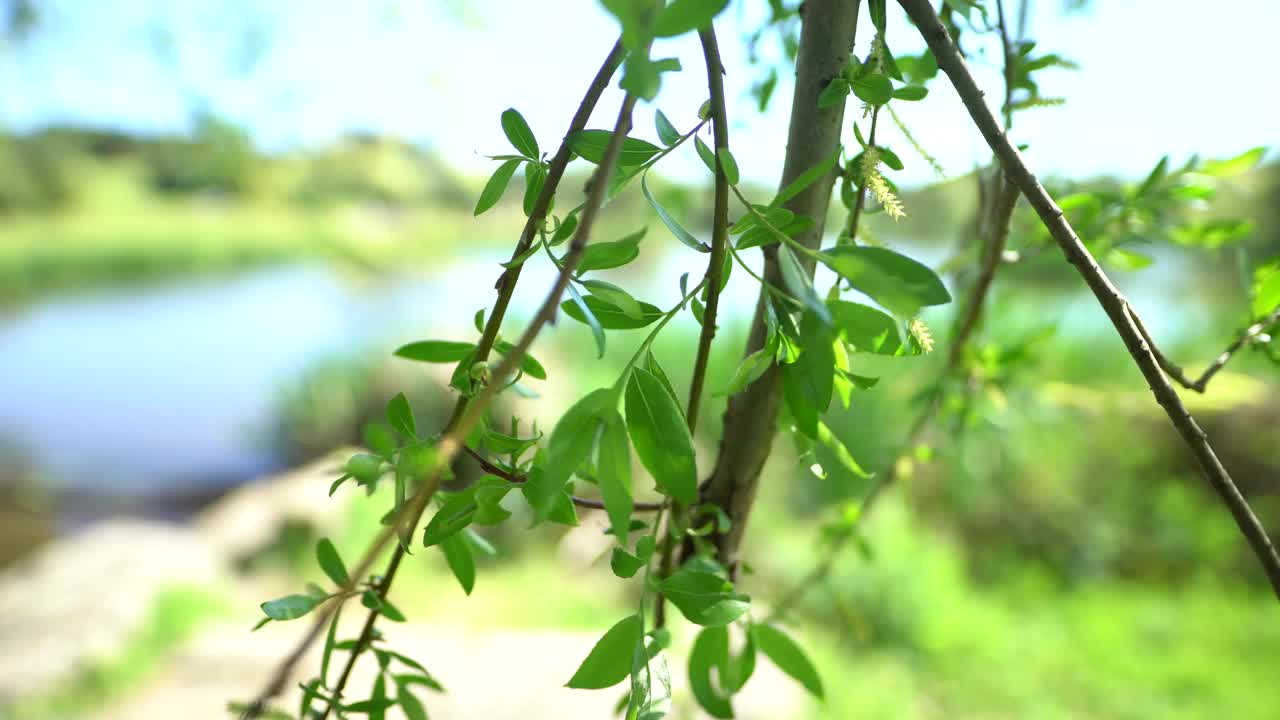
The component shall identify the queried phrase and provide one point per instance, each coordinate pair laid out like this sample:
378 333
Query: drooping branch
996 226
505 287
1171 369
719 221
713 277
469 414
750 422
1118 309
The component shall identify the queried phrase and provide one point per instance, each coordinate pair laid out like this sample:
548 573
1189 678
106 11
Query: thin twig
1201 383
855 215
750 420
715 271
719 221
967 323
519 479
506 289
993 222
1118 309
464 419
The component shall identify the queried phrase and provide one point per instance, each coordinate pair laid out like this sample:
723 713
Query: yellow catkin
921 333
906 133
877 185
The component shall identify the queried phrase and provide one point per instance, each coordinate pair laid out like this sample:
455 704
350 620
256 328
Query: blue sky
1155 77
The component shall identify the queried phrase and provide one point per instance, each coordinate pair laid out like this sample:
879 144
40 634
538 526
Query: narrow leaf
672 224
660 436
519 134
331 563
457 553
497 185
609 662
787 656
435 351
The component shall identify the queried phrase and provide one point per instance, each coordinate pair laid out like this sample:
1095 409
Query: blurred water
168 388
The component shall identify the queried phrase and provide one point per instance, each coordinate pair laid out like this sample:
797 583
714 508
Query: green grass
176 614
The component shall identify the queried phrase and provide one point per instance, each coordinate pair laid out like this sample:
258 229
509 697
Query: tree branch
750 422
715 271
1176 373
518 479
719 221
467 414
1109 297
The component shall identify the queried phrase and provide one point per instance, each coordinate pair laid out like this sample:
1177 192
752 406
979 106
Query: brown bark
750 422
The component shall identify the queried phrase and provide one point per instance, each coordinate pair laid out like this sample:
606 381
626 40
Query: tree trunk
826 40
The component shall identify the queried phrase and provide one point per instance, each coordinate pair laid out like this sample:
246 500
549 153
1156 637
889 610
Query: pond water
167 389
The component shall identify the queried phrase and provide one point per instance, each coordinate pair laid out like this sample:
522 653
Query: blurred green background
187 308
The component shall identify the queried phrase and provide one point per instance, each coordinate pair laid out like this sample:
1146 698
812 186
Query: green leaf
535 176
613 473
331 563
895 281
400 415
672 224
409 704
435 351
1235 165
330 639
735 674
704 598
1127 259
624 564
876 9
609 662
841 452
787 656
667 132
710 650
570 444
807 178
890 158
567 226
519 134
683 16
365 468
797 281
660 436
458 554
454 514
729 164
381 605
497 185
1266 288
611 316
866 328
579 309
606 255
529 365
834 93
642 75
704 152
911 93
651 364
590 145
290 607
873 89
751 368
616 297
807 382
